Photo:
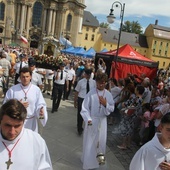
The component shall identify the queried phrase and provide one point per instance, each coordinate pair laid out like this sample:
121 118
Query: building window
92 37
1 30
165 53
110 45
2 10
163 64
86 36
167 44
155 42
94 29
161 43
153 51
69 21
105 45
37 13
87 28
159 52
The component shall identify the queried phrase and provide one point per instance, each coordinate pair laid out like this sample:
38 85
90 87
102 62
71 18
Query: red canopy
127 51
127 61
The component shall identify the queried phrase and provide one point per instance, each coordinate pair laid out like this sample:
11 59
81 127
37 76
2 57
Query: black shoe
80 132
43 91
48 93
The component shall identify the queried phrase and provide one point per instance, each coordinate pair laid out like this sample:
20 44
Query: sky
144 11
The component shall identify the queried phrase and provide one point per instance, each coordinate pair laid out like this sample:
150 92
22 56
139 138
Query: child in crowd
144 129
156 99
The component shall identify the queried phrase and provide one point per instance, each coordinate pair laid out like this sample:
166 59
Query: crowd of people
138 106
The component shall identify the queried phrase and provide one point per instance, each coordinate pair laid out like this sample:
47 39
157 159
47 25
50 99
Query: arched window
69 20
86 36
2 10
92 37
37 13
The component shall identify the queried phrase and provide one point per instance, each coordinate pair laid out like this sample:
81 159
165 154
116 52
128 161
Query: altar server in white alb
155 155
31 97
21 149
97 105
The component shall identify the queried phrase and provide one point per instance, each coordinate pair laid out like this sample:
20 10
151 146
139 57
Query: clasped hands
164 165
102 101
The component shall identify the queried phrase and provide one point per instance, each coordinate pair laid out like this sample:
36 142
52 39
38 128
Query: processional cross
9 162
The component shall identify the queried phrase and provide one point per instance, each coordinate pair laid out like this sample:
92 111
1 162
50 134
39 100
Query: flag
24 40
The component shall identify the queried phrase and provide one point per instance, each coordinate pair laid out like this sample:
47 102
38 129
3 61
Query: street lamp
110 19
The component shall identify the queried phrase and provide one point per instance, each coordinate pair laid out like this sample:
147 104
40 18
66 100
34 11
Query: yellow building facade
154 44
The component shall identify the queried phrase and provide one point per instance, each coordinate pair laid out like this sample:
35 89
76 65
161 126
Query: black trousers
57 94
67 93
79 117
16 78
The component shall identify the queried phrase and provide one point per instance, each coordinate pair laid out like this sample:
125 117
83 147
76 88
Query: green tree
104 25
132 27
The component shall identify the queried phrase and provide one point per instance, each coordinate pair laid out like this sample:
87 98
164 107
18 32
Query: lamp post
110 19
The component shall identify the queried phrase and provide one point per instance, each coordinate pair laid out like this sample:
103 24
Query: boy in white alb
31 97
155 155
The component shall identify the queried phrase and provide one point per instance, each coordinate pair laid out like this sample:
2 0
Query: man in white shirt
21 148
36 78
18 66
60 77
71 80
80 93
48 83
6 65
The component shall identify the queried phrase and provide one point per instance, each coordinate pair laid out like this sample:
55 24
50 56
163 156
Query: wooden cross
9 162
25 98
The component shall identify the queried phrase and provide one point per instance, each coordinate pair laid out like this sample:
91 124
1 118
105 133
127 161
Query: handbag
130 111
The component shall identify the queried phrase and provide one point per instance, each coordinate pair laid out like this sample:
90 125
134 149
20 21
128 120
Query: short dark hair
14 109
25 70
140 89
100 77
166 119
114 81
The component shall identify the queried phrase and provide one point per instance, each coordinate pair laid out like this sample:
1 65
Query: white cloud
132 7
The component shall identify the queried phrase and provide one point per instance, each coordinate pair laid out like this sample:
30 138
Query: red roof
127 51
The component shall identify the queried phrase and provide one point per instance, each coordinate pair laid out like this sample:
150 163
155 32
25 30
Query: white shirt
36 78
115 91
81 87
71 74
40 70
17 66
30 153
49 74
65 77
1 80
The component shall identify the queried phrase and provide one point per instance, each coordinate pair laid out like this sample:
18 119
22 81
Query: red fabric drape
122 69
